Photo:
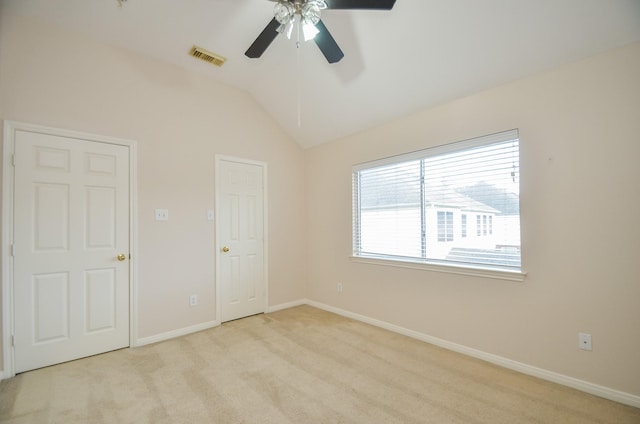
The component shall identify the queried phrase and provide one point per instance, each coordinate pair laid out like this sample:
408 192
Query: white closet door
71 249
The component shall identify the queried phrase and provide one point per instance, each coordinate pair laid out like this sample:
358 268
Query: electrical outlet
584 341
339 287
193 300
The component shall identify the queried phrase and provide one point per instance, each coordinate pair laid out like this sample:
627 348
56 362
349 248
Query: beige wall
580 206
181 121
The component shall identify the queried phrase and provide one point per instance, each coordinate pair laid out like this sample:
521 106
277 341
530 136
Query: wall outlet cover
584 340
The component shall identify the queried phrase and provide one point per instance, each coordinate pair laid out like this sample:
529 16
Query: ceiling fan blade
327 44
361 4
266 37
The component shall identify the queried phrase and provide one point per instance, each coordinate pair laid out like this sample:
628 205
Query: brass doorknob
225 249
122 257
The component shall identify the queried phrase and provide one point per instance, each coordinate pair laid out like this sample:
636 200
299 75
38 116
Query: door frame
265 218
8 189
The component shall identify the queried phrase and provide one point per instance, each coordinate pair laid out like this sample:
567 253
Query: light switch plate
162 214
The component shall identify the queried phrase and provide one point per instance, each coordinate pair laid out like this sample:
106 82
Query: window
463 223
410 207
445 226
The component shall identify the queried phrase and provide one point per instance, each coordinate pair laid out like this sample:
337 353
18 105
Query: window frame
487 271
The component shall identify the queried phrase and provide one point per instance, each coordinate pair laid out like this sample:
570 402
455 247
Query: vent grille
207 56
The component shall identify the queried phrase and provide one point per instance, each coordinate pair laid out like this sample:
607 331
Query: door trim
265 217
8 187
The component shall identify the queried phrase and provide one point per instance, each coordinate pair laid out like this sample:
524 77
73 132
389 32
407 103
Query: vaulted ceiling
420 54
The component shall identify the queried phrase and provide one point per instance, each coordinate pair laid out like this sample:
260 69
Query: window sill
494 273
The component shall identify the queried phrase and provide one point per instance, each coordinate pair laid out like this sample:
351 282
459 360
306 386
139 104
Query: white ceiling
420 54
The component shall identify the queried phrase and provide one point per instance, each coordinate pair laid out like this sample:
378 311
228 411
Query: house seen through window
456 204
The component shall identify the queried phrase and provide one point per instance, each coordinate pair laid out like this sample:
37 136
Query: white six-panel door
240 206
71 224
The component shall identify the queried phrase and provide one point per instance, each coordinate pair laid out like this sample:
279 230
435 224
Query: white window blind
456 204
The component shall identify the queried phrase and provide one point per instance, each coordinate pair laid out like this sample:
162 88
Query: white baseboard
175 333
287 305
585 386
206 325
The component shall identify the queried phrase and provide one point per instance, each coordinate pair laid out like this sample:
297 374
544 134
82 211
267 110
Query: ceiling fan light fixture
284 12
310 12
286 29
322 4
309 30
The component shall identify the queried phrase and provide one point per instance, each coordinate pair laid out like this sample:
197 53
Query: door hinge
13 160
13 341
11 250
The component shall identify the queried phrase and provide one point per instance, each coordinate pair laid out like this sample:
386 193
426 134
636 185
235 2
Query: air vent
207 56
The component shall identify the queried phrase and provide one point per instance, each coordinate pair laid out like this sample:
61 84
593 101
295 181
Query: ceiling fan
306 13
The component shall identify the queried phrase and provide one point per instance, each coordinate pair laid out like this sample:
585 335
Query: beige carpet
300 365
